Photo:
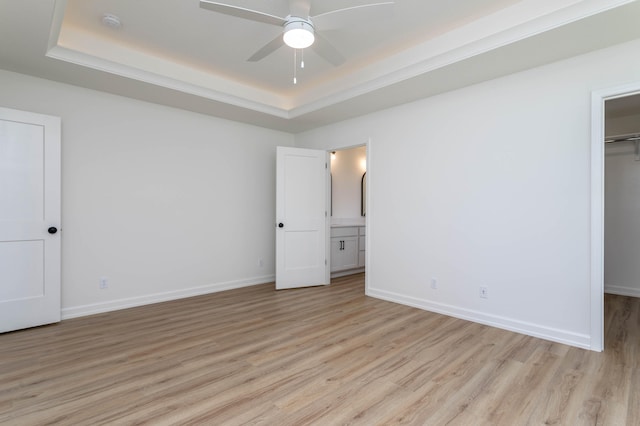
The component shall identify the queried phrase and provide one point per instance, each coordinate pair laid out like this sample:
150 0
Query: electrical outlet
434 283
104 283
484 292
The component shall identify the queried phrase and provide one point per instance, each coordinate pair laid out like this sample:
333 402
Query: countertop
343 222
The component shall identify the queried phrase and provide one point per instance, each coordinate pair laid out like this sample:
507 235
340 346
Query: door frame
367 219
598 99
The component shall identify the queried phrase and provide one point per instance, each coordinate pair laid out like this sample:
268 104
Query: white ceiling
175 53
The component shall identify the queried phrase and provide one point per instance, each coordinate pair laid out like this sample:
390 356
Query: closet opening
621 215
601 101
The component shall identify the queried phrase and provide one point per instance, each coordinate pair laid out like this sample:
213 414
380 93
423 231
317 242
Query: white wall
346 176
488 185
164 203
622 213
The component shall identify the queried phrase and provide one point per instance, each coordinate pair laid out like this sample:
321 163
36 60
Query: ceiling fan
300 30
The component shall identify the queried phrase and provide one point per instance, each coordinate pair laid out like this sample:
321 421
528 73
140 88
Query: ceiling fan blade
241 12
300 8
267 49
325 49
341 18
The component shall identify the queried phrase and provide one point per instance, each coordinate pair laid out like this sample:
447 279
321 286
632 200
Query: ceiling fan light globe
298 34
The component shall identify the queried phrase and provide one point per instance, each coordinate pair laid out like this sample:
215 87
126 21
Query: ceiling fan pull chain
295 66
302 58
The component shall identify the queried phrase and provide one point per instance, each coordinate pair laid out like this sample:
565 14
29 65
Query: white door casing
29 219
302 219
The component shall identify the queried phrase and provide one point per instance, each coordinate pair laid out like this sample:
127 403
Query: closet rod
631 137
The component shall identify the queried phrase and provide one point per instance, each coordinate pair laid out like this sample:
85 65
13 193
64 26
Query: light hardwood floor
326 356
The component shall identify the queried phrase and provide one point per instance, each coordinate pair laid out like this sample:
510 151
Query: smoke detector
110 20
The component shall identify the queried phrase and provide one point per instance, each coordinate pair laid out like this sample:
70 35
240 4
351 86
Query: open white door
29 219
302 220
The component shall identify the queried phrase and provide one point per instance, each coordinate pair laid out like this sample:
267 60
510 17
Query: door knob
52 230
281 225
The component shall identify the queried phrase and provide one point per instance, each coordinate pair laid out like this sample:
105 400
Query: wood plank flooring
324 355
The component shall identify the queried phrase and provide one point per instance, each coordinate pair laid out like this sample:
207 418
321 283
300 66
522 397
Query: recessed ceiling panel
181 32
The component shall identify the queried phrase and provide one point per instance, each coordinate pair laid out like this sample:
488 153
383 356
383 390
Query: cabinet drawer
346 231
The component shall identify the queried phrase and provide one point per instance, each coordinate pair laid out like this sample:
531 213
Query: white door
29 219
302 220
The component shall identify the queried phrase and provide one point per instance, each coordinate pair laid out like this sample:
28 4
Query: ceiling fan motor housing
298 32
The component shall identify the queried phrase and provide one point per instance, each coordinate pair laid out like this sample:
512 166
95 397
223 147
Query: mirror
363 195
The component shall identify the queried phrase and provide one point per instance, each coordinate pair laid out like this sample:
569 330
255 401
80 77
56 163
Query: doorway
612 112
622 196
348 211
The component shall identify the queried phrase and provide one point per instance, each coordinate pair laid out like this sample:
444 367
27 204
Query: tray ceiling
175 53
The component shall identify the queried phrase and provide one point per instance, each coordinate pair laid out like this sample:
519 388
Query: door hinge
325 166
325 262
325 213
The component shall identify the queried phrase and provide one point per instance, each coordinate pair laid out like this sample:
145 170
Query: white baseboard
114 305
622 290
529 329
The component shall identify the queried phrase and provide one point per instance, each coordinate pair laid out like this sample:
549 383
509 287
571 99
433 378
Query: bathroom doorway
348 211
